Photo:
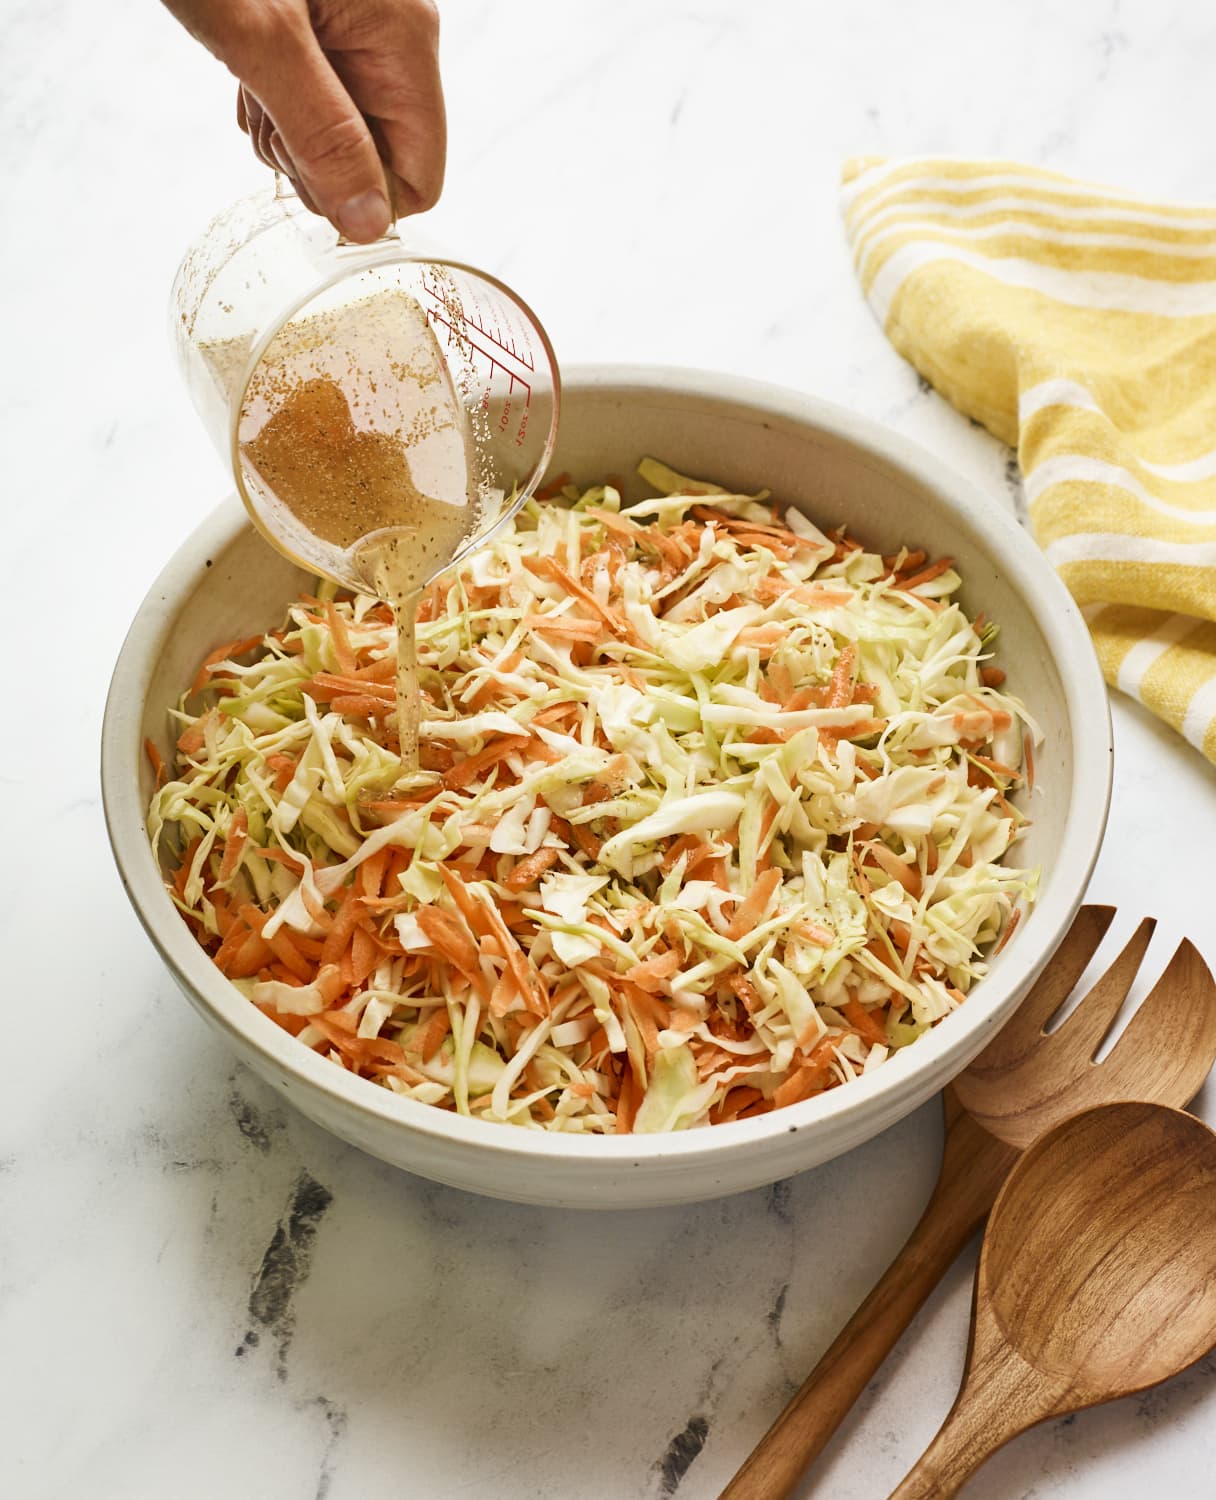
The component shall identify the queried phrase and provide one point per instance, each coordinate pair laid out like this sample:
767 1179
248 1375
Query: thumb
324 134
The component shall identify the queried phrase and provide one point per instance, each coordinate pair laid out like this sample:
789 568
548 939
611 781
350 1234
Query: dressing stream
397 564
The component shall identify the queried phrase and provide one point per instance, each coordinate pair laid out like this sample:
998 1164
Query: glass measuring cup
362 391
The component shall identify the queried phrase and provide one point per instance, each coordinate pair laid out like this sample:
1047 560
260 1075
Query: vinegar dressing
353 434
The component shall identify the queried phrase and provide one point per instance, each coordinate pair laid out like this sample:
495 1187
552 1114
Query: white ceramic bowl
225 582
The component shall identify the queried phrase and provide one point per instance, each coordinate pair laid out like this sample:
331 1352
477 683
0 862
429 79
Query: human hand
343 96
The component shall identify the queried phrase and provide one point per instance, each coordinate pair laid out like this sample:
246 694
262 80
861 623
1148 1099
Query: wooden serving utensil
1024 1082
1097 1278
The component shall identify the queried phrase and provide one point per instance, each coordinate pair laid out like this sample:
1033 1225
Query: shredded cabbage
713 816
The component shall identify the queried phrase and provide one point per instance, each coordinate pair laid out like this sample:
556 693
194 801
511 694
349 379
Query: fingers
394 78
268 145
328 89
252 119
301 119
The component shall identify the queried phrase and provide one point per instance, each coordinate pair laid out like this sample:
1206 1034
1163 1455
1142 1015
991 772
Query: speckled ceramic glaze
225 582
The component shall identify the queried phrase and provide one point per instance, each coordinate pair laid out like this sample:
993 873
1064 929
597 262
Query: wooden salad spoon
1024 1082
1097 1278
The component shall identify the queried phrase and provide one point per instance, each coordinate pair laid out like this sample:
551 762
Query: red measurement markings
462 336
463 325
501 341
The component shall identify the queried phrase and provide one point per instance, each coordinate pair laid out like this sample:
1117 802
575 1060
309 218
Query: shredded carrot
864 1023
859 729
684 846
765 637
470 769
1010 928
380 671
752 910
343 651
926 575
734 1101
626 1106
568 627
904 561
548 567
449 935
552 488
612 778
747 993
815 933
371 872
529 869
282 944
362 1051
363 706
360 958
996 767
813 596
157 762
233 942
221 654
191 740
284 768
532 989
389 808
433 1033
326 685
339 934
757 531
556 713
840 689
645 536
651 973
238 833
183 870
493 687
275 855
580 834
644 1019
907 875
251 956
293 1025
812 1077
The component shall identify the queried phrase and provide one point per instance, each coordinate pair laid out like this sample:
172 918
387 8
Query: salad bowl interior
225 583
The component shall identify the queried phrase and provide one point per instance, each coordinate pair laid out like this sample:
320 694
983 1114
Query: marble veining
285 1265
203 1295
681 1453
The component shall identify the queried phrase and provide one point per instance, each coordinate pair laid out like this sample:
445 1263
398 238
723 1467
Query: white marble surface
659 180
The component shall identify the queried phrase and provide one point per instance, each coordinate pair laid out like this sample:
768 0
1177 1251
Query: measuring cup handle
285 192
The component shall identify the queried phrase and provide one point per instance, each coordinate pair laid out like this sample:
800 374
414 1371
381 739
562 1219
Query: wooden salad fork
1026 1081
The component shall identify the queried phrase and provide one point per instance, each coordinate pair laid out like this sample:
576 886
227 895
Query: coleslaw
712 815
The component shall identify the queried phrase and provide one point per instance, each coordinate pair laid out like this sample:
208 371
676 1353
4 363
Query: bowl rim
877 1093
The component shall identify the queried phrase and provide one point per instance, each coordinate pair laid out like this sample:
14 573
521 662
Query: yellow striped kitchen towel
1078 323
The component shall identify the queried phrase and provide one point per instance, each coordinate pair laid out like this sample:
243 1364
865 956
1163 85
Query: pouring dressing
351 430
384 411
